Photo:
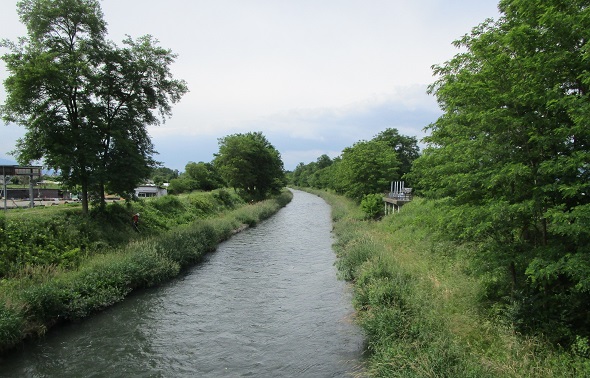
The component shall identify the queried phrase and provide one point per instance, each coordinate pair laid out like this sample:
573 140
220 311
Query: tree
248 162
324 161
84 102
161 175
366 168
406 148
510 153
204 175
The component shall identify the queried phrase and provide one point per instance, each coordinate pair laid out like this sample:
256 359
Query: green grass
420 303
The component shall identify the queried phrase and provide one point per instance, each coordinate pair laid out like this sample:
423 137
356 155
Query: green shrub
168 204
202 202
47 302
11 326
353 255
372 205
226 199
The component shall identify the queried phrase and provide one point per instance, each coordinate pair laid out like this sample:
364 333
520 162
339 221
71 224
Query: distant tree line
366 168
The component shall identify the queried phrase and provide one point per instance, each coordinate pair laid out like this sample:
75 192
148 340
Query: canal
267 303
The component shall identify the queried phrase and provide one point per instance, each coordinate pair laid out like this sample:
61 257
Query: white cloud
303 71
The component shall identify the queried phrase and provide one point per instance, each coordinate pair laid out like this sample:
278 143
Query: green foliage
352 255
249 163
420 298
38 242
11 325
182 184
197 176
259 211
65 236
161 175
202 203
168 204
188 244
365 168
204 175
405 147
223 197
372 205
85 102
510 154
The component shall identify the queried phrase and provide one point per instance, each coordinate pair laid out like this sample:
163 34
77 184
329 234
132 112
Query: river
267 303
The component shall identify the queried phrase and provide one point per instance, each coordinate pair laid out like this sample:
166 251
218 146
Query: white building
150 190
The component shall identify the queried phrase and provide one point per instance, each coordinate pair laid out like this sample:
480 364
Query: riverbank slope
83 268
419 300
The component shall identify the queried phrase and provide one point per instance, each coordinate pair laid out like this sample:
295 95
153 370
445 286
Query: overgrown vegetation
421 298
509 162
505 168
63 281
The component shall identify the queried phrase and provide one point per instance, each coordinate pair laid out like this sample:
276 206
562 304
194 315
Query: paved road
12 204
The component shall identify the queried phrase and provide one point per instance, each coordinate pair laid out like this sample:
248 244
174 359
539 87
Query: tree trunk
103 201
85 198
512 270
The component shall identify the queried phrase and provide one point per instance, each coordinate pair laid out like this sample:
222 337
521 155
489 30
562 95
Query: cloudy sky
315 76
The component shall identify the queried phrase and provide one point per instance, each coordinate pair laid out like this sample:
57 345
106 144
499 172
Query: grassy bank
175 233
419 300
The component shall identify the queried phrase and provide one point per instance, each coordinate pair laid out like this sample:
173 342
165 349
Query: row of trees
84 101
365 168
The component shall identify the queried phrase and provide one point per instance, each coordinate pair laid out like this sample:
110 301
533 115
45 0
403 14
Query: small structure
150 190
8 171
398 196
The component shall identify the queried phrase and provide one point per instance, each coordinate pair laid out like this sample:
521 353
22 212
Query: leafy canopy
511 152
84 101
249 162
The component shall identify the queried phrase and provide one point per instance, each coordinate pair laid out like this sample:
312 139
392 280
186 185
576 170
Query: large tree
366 168
406 148
511 152
204 175
85 102
249 162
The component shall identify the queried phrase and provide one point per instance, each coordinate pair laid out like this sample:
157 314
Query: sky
314 76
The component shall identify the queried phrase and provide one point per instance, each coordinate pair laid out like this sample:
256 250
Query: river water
267 303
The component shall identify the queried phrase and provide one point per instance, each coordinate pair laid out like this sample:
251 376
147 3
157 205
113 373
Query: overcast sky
315 76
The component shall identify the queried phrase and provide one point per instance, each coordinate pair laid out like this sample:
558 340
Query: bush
372 205
11 325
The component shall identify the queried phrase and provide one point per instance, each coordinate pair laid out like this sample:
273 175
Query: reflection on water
266 304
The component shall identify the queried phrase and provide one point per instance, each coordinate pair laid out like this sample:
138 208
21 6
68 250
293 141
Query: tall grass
420 302
35 298
62 235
